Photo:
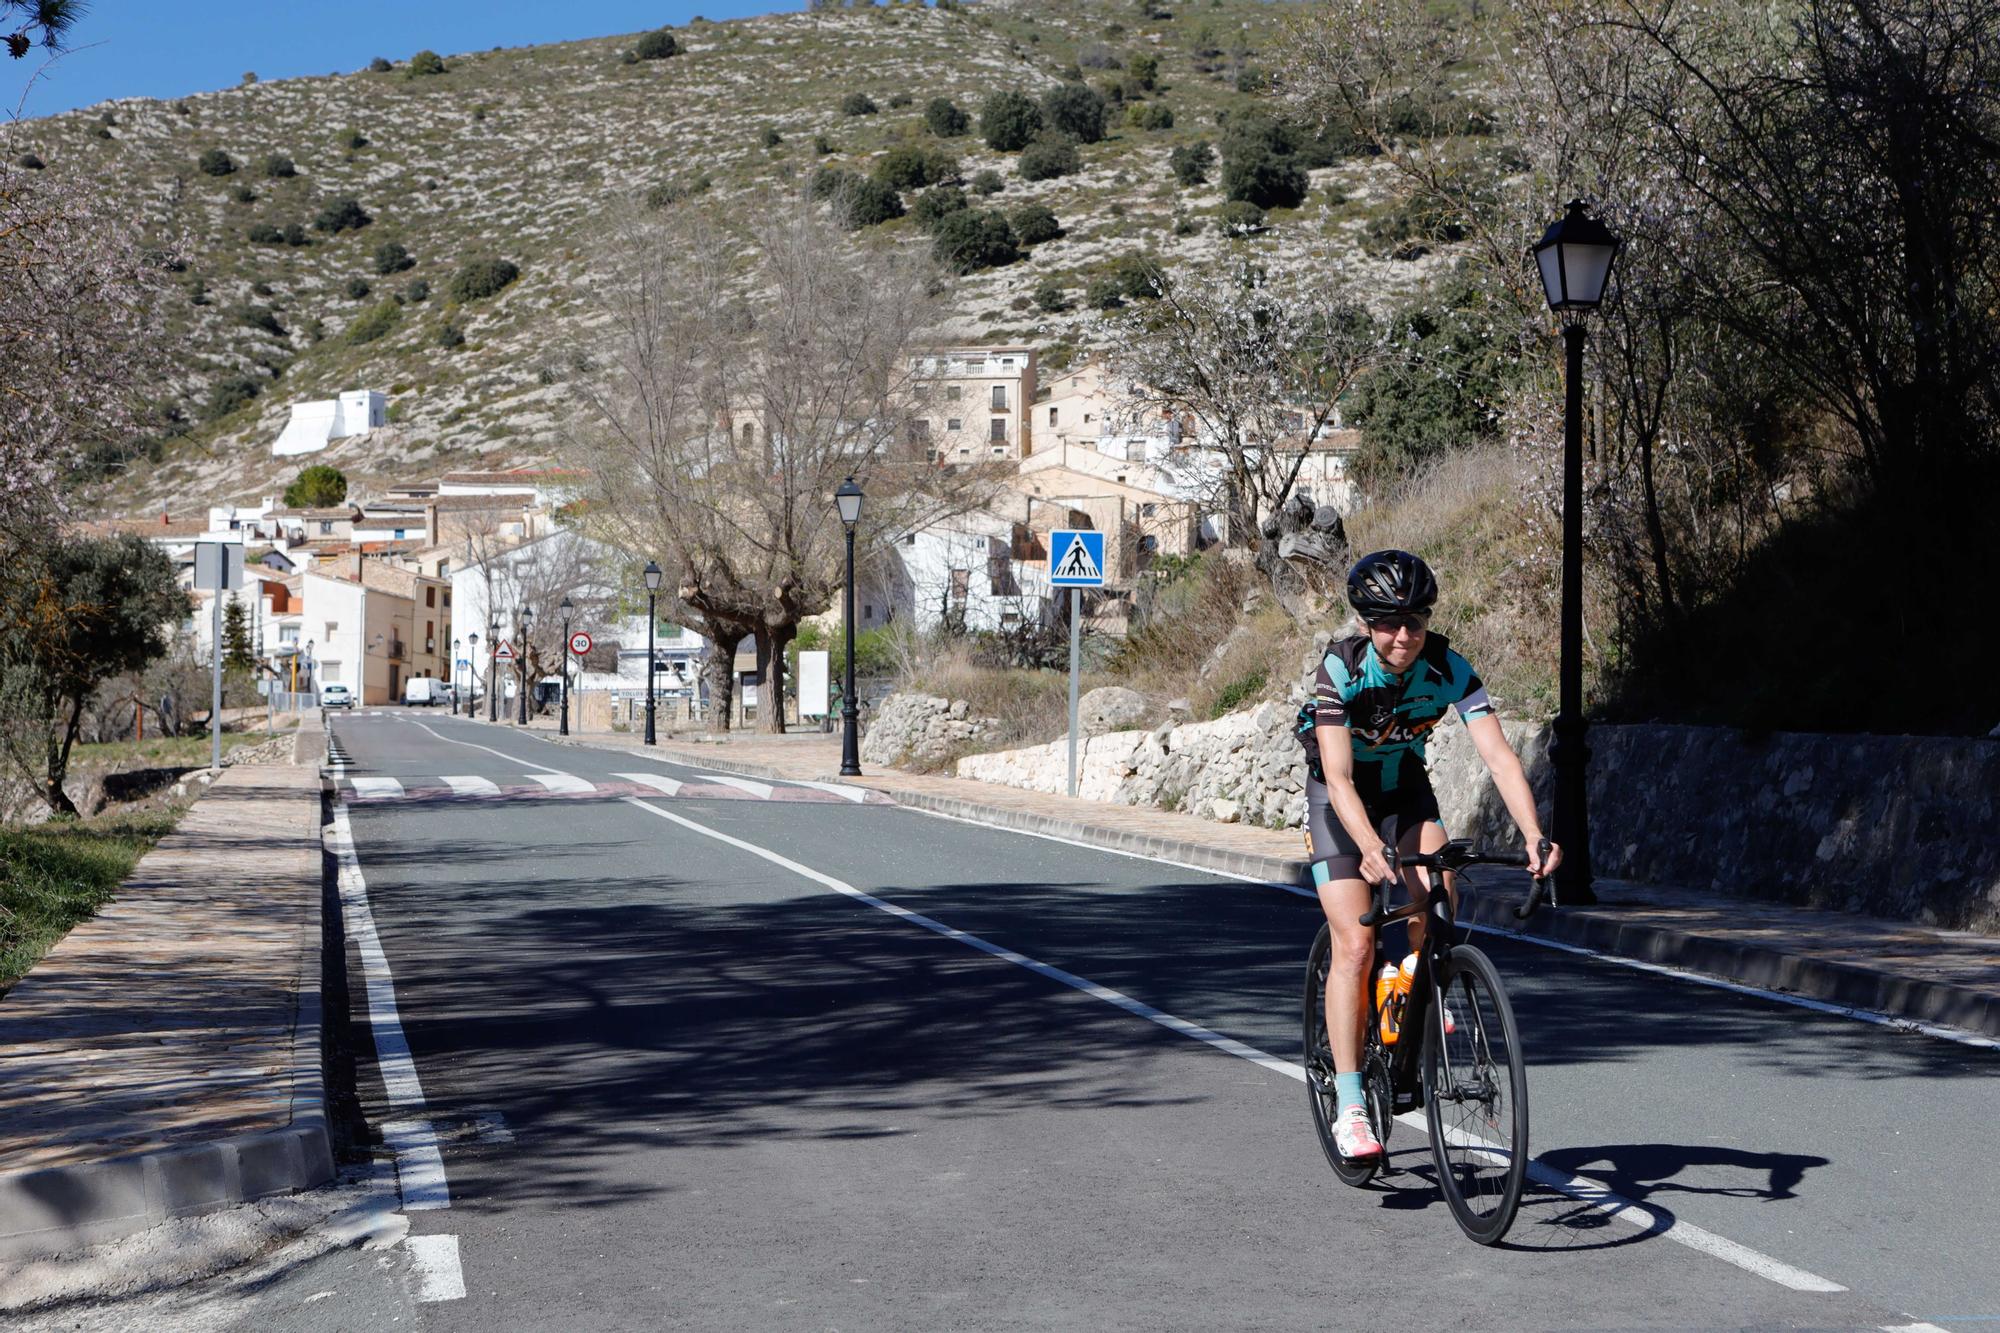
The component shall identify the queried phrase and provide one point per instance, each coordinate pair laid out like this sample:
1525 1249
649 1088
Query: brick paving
167 1018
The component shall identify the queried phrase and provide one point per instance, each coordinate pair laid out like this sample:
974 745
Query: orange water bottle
1389 992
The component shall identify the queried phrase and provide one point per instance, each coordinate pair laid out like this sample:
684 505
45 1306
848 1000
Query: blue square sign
1076 558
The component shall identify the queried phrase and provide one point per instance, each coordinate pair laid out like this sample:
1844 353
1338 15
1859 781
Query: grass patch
159 751
56 874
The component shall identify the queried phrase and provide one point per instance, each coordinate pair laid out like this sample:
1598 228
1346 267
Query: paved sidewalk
1891 967
164 1058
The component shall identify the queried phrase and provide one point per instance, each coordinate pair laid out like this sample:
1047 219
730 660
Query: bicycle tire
1476 1097
1319 1073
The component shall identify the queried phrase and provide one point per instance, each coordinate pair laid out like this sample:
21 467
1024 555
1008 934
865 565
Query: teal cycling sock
1347 1090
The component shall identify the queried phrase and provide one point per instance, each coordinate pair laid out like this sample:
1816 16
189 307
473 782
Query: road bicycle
1460 1060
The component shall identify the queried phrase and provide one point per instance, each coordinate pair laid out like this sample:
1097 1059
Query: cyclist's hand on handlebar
1375 868
1543 863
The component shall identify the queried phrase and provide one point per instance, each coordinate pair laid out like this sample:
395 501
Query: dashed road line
659 782
439 1276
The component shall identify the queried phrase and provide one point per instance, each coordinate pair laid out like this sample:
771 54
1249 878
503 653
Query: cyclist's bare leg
1426 837
1348 964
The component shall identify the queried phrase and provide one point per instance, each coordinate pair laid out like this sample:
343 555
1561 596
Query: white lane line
435 1259
659 782
1577 1187
563 782
419 1164
467 785
761 790
841 789
392 1048
510 758
373 788
1911 1025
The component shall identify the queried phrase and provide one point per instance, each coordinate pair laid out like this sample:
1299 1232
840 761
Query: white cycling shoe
1353 1137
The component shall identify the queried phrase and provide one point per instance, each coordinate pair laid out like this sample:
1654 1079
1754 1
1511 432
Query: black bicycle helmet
1391 583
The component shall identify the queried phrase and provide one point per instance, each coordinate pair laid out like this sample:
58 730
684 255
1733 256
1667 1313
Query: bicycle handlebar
1453 856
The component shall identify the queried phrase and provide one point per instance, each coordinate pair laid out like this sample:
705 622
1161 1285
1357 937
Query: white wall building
314 425
964 574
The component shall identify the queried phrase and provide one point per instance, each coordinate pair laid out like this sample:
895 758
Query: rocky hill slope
516 154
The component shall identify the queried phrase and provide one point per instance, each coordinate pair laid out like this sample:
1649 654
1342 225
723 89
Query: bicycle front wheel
1476 1095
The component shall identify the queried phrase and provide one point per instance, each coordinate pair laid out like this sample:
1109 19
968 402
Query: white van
423 691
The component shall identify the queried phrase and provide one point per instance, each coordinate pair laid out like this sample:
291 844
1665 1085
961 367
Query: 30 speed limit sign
579 643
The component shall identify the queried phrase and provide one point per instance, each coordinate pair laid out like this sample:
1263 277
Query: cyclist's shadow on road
1641 1172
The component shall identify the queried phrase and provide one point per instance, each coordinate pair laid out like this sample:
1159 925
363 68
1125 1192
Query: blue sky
151 48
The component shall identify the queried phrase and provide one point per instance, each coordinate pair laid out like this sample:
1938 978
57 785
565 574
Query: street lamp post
1574 257
653 576
566 608
848 500
455 643
493 669
471 673
527 617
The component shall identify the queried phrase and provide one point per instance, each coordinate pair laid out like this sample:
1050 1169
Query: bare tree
743 378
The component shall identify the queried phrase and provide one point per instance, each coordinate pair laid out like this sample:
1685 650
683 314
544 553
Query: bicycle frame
1440 934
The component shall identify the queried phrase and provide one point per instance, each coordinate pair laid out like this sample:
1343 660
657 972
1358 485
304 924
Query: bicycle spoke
1474 1119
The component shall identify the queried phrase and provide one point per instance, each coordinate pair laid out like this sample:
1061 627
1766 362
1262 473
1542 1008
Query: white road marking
761 790
1938 1030
659 782
512 759
1578 1187
563 782
841 789
467 785
392 1047
435 1259
372 788
1913 1328
491 1127
419 1164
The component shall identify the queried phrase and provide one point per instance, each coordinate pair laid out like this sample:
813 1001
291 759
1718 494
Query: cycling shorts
1395 815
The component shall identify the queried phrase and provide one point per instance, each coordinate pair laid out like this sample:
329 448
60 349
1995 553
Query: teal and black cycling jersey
1388 716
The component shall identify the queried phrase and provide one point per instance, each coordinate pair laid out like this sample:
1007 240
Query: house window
444 570
1006 360
868 610
1121 478
1147 510
923 395
1088 418
749 435
326 527
1052 416
920 430
951 393
999 398
430 596
965 453
909 539
997 430
954 423
288 634
999 451
961 584
399 534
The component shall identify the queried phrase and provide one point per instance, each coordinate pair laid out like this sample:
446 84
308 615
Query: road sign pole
1075 664
215 691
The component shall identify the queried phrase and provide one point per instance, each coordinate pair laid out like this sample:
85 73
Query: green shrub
868 202
1035 224
352 140
1049 157
1259 164
1150 116
417 292
1076 110
770 138
30 161
945 119
481 278
910 166
425 63
1190 163
1103 292
358 289
215 162
228 395
317 486
266 234
450 337
932 206
988 181
391 257
1145 70
243 194
296 235
822 145
260 317
973 239
830 183
380 65
1251 79
342 215
1009 121
1240 691
1099 56
673 192
1051 297
279 167
857 104
897 101
1240 215
374 324
657 45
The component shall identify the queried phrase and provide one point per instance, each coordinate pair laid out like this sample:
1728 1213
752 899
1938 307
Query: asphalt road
678 1083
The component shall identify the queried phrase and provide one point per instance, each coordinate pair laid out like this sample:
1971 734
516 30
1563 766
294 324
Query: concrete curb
60 1209
1599 929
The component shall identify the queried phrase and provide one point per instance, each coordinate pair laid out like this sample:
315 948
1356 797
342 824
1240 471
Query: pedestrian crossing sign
1076 558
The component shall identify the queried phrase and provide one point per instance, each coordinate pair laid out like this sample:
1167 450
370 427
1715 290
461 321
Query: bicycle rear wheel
1319 1074
1476 1096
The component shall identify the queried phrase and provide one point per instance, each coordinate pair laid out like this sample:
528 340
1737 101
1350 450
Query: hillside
513 154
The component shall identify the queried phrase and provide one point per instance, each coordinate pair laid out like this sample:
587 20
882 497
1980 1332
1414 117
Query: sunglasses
1390 624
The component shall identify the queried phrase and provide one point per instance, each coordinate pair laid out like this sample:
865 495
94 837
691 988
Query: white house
314 425
963 574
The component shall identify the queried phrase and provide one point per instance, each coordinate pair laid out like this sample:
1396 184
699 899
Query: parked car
335 696
423 691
